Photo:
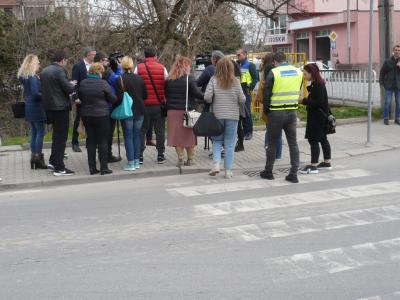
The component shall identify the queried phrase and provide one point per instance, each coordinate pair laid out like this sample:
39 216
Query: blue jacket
34 111
112 79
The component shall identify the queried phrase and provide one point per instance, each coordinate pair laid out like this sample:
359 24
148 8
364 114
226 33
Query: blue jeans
388 102
132 137
227 139
279 145
37 135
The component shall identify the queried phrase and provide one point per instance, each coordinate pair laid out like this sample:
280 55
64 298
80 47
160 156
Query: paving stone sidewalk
350 140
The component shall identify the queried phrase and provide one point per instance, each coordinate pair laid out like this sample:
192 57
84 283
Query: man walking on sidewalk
56 91
79 73
389 78
282 91
249 79
154 75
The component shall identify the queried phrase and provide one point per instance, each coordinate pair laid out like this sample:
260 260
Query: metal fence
351 86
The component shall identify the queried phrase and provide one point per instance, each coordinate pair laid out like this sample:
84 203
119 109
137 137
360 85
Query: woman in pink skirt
175 92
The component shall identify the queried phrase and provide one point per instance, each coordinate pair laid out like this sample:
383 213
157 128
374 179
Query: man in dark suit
79 73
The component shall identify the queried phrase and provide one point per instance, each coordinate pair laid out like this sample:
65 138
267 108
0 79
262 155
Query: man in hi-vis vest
282 91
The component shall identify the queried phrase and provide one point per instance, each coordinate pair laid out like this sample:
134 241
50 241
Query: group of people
100 84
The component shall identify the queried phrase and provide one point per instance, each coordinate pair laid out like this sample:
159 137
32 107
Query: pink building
307 26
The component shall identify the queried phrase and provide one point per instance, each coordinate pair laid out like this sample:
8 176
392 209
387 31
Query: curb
85 179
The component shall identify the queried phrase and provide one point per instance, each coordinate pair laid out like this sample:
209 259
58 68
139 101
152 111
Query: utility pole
386 33
348 33
370 57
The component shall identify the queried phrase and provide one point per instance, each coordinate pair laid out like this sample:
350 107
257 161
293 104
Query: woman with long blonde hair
178 82
225 94
34 112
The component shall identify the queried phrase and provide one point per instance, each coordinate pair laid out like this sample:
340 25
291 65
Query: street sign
333 45
333 36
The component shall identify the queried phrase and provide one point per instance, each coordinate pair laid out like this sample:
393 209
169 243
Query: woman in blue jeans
133 85
34 112
224 92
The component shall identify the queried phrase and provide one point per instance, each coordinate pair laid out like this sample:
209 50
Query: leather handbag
190 118
124 110
330 122
18 108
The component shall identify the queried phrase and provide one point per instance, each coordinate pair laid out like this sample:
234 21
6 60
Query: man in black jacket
389 78
79 73
56 91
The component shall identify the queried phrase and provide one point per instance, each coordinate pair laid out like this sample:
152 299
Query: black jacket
317 111
79 72
136 88
205 77
55 88
95 95
389 76
175 93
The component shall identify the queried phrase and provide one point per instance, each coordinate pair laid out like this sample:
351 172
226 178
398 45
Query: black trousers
285 120
97 131
113 124
315 150
153 114
75 133
60 123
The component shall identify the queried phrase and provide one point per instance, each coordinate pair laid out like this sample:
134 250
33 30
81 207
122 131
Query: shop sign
277 39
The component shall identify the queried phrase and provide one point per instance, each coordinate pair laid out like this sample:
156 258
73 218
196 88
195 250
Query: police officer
249 79
282 91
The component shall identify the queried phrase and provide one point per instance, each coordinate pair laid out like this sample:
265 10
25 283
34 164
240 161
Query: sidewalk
348 141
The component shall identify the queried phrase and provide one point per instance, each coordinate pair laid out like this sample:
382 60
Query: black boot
38 163
239 146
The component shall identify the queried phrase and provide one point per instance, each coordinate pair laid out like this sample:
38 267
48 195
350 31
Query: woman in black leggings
317 112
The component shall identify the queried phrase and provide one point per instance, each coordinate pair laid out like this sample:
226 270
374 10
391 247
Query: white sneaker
228 174
215 170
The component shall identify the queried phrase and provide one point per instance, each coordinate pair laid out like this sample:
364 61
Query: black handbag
18 108
163 105
208 125
330 122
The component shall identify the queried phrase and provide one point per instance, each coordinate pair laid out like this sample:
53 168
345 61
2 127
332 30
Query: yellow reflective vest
286 89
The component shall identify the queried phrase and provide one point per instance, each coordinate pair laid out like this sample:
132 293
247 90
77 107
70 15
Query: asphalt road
333 236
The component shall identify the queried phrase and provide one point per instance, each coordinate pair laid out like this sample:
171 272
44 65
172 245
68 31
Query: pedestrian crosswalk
356 206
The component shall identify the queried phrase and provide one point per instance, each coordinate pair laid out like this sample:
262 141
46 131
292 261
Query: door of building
303 43
323 46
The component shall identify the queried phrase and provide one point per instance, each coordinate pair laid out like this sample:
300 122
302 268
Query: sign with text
277 39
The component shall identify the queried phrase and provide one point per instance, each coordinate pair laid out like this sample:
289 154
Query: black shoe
94 172
50 166
105 172
324 166
386 122
292 178
65 172
309 170
141 159
248 136
76 148
239 147
114 159
161 159
267 175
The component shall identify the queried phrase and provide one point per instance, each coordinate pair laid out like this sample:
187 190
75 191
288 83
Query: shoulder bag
190 118
330 122
208 125
163 106
124 110
18 108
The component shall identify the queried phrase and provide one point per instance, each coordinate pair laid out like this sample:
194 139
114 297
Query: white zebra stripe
392 296
284 228
266 203
331 261
210 189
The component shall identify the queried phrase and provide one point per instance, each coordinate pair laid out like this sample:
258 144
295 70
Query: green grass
340 112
